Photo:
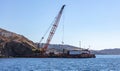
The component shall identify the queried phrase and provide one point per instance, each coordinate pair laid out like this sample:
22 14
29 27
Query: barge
65 54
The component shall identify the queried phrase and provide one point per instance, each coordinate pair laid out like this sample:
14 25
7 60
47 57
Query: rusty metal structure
52 32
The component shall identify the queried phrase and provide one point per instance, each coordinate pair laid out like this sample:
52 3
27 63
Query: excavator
52 32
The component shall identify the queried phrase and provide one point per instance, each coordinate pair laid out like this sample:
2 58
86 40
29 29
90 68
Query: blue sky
93 22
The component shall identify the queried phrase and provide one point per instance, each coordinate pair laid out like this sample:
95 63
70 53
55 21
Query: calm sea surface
100 63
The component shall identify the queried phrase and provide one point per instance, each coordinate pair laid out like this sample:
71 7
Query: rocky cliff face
15 45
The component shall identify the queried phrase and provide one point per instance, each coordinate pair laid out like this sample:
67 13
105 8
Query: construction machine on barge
66 53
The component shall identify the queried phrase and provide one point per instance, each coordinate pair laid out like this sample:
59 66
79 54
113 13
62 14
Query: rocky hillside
12 44
115 51
59 48
15 45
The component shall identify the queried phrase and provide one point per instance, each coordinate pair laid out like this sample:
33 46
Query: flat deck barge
63 56
69 56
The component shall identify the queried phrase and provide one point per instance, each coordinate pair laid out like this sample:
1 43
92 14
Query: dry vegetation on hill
12 44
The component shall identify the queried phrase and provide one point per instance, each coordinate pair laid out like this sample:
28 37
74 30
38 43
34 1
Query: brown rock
15 45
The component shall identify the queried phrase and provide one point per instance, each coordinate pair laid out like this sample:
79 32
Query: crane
52 31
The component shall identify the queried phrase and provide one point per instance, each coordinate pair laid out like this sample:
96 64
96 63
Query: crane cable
63 29
46 32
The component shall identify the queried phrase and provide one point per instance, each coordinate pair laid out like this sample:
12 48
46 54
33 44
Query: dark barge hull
65 56
53 56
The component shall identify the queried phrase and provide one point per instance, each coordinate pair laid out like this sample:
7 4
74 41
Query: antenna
89 47
80 44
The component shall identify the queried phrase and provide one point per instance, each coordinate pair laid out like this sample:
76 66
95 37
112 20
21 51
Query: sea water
100 63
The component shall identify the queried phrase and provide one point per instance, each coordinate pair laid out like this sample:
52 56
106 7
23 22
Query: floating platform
69 56
63 56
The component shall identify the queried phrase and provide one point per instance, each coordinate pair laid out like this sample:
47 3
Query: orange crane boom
54 27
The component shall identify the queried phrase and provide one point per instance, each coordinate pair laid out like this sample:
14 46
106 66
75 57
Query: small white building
73 52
